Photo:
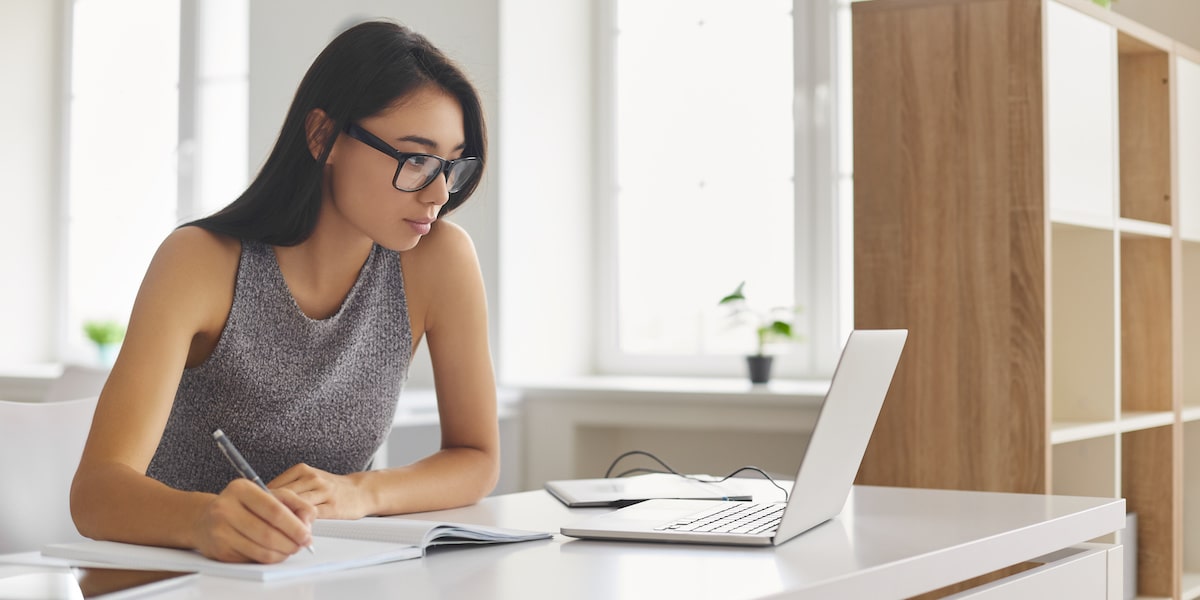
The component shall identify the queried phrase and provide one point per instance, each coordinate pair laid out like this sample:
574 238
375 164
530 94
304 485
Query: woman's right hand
246 524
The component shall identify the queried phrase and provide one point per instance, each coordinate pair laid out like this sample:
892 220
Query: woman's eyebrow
428 143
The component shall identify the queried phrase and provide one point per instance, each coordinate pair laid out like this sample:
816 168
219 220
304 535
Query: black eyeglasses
417 170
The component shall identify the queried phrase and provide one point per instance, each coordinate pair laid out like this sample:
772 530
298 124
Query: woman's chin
399 243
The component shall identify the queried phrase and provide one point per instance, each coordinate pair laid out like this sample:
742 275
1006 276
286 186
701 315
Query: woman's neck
321 270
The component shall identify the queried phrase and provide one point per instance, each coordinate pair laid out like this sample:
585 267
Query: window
123 131
156 115
722 169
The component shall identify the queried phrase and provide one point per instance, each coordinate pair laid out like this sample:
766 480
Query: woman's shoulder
442 278
447 249
196 246
197 255
446 240
190 280
194 237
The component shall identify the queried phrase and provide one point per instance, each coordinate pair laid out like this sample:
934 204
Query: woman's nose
437 192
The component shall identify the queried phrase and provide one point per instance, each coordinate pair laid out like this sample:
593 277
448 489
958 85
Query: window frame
823 274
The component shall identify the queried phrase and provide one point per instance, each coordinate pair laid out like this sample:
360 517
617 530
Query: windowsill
418 406
28 382
787 392
32 372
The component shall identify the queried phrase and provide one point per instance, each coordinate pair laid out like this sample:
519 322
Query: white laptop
827 470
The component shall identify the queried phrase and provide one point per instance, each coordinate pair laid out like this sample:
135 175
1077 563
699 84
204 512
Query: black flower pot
760 368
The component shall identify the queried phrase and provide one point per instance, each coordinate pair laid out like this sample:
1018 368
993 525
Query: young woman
288 320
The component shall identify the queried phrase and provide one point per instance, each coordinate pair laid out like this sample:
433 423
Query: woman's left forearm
449 478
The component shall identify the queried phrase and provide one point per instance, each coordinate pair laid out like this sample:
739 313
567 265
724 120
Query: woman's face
359 177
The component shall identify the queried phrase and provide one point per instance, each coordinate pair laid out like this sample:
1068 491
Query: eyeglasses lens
461 174
417 172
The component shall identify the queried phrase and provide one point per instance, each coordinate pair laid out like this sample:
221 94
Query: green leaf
104 332
735 295
780 328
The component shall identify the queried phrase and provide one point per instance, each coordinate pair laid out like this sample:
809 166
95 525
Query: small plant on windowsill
107 335
773 325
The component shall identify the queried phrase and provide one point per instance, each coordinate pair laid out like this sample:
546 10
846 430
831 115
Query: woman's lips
421 227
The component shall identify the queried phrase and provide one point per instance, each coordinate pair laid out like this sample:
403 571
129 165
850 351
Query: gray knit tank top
288 389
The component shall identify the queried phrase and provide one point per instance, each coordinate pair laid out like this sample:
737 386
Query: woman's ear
318 129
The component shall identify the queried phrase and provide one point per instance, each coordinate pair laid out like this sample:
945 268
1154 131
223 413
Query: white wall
285 37
30 58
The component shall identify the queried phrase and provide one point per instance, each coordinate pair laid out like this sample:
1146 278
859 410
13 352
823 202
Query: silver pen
240 465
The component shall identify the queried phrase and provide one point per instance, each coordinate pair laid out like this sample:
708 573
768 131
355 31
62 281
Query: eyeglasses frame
356 131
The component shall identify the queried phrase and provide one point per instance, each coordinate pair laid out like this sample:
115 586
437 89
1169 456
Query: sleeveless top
288 389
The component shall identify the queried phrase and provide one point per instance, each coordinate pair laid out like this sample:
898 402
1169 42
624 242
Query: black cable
643 453
642 470
756 469
672 471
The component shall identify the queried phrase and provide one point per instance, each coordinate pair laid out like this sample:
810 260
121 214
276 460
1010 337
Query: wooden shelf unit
1027 204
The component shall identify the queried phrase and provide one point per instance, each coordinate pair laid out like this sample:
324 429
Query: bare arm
183 302
447 304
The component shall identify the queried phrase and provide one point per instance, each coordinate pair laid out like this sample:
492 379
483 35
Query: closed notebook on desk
623 491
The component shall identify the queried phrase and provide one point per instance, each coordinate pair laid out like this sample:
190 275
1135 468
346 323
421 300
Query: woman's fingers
245 523
302 508
279 526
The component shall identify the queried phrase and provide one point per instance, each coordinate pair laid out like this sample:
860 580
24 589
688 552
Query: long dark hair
363 71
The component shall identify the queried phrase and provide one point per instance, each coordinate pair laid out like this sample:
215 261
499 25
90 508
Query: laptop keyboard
736 517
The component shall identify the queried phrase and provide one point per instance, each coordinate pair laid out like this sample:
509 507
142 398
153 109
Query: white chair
40 446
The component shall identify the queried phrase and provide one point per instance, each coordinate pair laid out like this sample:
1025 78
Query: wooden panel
1151 489
1190 497
949 240
1190 331
1146 329
1083 315
1145 134
1086 468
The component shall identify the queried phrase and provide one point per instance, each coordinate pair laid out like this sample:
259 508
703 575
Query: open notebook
422 534
339 545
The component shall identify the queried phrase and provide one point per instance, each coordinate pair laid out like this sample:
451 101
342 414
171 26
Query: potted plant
773 325
107 335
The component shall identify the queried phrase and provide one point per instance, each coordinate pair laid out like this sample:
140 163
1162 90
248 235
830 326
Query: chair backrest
40 446
76 381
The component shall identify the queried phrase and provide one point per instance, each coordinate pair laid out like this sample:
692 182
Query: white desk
887 543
